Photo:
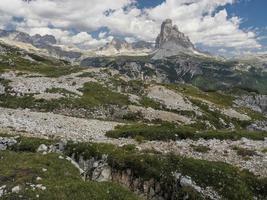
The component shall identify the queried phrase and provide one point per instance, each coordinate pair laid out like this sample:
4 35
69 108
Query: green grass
244 152
61 179
148 102
167 132
95 94
201 149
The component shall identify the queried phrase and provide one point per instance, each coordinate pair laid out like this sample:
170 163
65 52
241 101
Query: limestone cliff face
171 41
257 103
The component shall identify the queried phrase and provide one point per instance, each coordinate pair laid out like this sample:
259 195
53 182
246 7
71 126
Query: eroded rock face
170 41
257 103
99 170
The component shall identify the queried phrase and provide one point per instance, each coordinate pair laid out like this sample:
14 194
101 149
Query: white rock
16 189
2 190
2 89
42 148
44 170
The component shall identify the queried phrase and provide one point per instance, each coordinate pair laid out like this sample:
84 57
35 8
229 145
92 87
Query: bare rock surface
172 100
38 84
234 114
54 125
257 103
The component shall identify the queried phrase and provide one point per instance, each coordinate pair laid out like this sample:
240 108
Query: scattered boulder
6 142
2 89
16 189
2 190
42 148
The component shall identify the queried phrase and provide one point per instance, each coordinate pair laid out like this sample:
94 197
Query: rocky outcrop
98 169
172 100
257 103
54 125
171 41
258 126
6 142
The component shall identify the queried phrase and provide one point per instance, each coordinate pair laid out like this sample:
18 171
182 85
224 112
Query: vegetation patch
94 95
201 148
244 152
15 59
168 131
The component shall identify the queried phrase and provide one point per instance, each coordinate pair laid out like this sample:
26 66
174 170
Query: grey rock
171 41
6 142
257 103
258 126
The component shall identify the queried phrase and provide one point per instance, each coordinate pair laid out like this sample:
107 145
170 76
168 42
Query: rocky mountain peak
171 41
170 34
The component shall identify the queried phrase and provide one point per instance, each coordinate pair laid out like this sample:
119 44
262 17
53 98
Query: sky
226 27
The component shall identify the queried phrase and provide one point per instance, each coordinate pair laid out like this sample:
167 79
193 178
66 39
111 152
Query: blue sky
232 26
253 14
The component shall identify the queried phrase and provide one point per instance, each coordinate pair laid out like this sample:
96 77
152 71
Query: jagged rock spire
171 41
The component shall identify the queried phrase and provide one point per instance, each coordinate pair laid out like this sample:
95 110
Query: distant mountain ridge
47 42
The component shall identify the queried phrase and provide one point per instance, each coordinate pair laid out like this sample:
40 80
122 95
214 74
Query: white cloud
199 19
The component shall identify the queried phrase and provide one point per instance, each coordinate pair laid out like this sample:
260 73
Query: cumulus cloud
201 20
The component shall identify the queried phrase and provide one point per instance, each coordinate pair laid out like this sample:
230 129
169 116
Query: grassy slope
94 95
167 132
14 59
61 179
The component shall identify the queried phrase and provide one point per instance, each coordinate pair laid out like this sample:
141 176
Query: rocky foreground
51 125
